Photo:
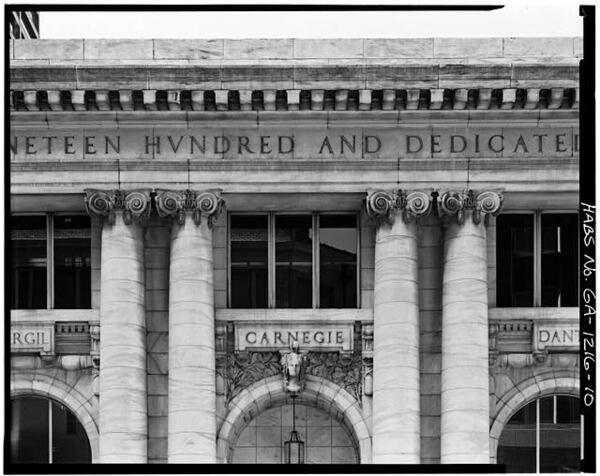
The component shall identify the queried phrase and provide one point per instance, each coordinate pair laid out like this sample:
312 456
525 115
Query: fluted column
465 385
396 389
123 398
192 394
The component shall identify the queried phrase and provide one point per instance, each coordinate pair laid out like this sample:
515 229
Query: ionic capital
133 204
458 203
177 203
413 205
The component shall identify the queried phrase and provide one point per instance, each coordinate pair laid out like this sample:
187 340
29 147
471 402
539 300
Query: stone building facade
399 208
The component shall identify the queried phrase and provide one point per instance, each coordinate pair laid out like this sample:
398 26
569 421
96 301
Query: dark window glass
514 260
28 262
30 433
546 410
69 440
72 263
567 410
559 442
293 256
337 236
559 260
249 261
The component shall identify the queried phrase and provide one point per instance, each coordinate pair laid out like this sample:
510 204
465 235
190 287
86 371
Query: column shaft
123 399
192 399
465 385
396 407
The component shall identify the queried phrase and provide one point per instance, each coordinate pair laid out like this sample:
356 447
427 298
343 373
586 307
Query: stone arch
268 392
566 383
70 395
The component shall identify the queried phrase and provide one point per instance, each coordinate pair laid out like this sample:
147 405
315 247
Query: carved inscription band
136 204
381 204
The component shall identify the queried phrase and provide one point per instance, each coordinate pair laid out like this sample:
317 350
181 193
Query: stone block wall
430 240
367 260
156 257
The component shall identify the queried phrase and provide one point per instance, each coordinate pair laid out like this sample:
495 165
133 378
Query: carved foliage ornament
133 205
172 203
413 205
457 203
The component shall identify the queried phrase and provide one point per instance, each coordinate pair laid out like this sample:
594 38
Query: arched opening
542 436
319 393
45 431
326 440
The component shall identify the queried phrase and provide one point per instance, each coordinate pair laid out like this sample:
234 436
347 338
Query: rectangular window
337 264
249 261
536 260
293 261
51 262
28 262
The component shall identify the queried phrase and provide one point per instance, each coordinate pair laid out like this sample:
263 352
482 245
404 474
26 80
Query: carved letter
225 142
545 334
116 148
69 144
264 144
560 141
326 143
408 143
345 141
49 142
253 341
491 146
202 146
435 142
89 144
540 138
174 146
154 144
30 146
368 149
291 145
453 149
243 143
521 143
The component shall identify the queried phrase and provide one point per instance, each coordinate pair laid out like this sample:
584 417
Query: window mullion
316 262
537 435
271 259
50 261
50 445
537 259
358 260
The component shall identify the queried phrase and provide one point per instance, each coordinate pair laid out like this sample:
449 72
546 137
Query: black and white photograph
348 235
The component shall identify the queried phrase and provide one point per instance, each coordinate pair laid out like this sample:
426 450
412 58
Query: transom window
536 260
293 260
50 262
543 436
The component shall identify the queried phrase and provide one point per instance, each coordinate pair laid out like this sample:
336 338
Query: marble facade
159 140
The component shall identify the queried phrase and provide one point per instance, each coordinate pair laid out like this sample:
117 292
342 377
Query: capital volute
460 204
177 204
134 204
381 205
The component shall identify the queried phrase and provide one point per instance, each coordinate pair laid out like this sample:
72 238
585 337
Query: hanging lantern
293 449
